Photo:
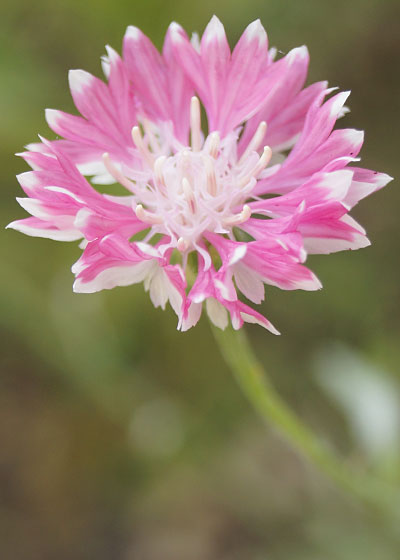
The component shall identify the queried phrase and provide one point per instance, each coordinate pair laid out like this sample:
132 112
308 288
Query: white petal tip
214 30
382 179
310 285
255 31
272 330
33 147
175 31
110 51
257 321
51 116
80 287
79 80
133 33
355 136
112 55
297 54
28 179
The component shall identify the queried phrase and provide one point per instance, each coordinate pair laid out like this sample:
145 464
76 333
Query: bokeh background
121 438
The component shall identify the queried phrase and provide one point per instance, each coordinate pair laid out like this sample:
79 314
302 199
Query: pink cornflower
207 215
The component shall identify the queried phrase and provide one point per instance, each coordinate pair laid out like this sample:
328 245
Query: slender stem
266 401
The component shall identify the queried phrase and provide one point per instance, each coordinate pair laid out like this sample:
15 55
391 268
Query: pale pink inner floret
196 189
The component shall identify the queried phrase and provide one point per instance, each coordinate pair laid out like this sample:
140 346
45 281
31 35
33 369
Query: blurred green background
121 438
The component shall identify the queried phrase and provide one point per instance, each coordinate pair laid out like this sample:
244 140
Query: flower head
217 204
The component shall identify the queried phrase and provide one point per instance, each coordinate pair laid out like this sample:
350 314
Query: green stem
266 401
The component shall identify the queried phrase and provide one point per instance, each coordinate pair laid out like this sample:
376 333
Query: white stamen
255 141
182 245
214 140
264 159
195 124
158 170
151 136
186 157
188 193
261 165
186 162
118 176
146 216
237 219
139 143
210 172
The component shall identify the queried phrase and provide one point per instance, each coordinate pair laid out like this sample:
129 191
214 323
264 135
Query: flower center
202 188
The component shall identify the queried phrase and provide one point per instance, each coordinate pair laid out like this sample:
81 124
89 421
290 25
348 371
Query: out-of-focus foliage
121 438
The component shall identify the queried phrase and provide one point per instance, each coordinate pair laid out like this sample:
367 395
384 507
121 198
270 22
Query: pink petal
180 90
189 60
365 182
94 101
286 125
121 92
215 58
320 188
278 267
249 283
39 228
147 73
284 80
318 125
78 129
249 61
241 313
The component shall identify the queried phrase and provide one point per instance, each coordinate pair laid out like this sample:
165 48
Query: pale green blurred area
121 438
